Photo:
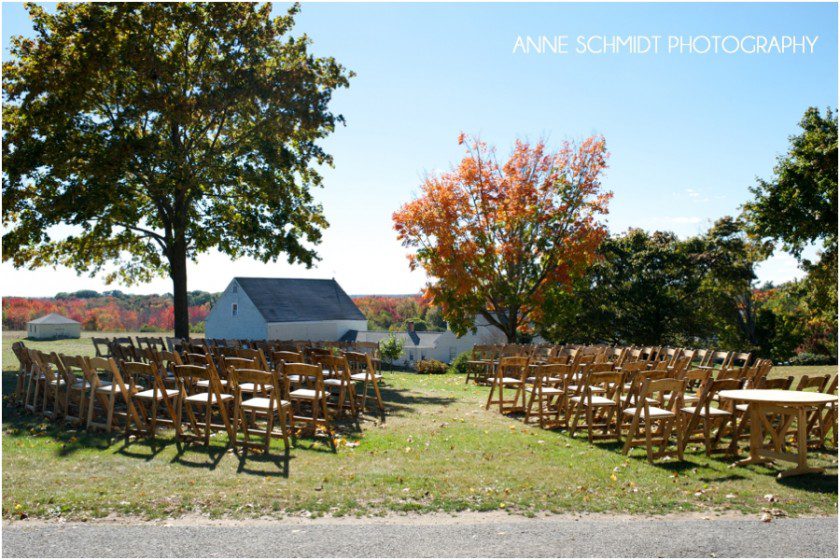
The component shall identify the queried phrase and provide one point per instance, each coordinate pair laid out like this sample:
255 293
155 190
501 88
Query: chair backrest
137 371
612 382
721 357
696 377
22 355
194 358
304 371
703 356
336 366
107 368
75 366
100 346
286 356
741 359
360 362
816 382
260 378
543 373
253 354
239 363
187 375
668 391
512 366
782 383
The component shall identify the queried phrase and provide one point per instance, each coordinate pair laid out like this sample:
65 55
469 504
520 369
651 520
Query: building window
234 309
411 355
451 353
235 289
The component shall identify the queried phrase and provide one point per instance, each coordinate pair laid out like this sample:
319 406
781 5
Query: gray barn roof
286 300
53 319
415 339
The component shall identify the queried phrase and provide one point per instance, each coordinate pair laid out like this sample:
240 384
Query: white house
53 326
283 309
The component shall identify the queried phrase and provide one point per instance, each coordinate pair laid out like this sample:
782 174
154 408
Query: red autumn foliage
104 313
494 236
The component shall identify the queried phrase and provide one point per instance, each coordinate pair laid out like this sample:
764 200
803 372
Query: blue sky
688 133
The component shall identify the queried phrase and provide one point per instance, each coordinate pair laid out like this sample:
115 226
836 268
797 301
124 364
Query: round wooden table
789 405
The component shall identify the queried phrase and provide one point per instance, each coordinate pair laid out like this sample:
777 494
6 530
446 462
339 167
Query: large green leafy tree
159 131
797 207
654 288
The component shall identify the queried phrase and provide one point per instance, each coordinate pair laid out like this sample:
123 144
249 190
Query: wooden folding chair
511 372
190 396
24 370
828 423
653 422
55 385
36 382
105 392
545 389
481 363
314 396
266 401
363 370
697 422
151 402
338 383
100 346
77 388
599 401
818 383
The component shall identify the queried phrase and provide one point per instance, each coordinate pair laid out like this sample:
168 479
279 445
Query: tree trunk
178 272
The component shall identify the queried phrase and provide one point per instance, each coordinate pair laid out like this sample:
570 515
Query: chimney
409 326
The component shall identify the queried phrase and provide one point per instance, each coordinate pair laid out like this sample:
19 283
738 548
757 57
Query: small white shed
53 326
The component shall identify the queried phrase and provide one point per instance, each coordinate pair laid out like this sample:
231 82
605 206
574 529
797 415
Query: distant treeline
108 311
117 311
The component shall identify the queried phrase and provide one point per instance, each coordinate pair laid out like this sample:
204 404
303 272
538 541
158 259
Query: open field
438 450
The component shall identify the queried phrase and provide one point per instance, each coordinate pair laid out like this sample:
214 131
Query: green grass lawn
438 450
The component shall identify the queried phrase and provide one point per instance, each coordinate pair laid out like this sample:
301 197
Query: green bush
431 367
459 364
808 359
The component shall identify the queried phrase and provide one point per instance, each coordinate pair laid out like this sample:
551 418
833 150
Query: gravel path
498 537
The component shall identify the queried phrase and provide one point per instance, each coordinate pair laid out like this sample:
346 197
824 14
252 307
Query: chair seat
207 397
151 394
364 376
655 412
507 381
596 400
548 380
260 403
80 385
742 407
334 382
59 382
304 394
205 383
688 398
252 387
545 390
106 388
574 388
702 412
632 400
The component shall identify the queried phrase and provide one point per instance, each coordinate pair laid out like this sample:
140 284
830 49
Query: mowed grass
438 450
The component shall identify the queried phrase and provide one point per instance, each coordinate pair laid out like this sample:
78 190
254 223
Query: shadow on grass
819 483
402 402
209 456
274 464
132 447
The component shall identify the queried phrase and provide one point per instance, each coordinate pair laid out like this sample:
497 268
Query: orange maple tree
493 237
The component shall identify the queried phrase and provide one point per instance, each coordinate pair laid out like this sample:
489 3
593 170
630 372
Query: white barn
283 309
53 326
